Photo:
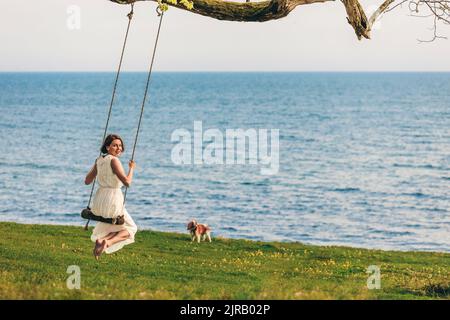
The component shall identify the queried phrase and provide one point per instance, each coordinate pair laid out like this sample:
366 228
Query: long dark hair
108 140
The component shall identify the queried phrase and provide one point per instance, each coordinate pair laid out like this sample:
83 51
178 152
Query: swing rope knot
159 11
130 15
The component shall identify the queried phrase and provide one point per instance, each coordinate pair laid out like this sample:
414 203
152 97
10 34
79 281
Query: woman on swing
108 201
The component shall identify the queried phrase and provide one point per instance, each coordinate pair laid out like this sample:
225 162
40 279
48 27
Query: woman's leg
117 237
108 236
109 240
101 244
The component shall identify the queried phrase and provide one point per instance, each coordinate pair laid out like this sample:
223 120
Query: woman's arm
91 175
120 173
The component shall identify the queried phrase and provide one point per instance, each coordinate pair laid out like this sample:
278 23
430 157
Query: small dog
199 231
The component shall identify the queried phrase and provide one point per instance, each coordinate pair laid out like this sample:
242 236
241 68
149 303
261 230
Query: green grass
34 261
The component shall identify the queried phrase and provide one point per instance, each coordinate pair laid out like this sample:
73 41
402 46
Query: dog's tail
208 227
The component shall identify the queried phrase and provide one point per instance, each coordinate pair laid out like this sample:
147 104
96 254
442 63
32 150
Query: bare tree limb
267 10
238 11
379 11
358 19
397 5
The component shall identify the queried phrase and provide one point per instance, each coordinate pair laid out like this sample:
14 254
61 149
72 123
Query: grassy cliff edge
35 261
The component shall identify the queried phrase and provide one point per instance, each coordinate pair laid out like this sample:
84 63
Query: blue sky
36 37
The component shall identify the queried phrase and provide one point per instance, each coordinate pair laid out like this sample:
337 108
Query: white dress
108 203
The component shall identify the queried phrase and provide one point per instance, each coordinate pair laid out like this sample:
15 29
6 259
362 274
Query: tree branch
237 11
379 11
356 17
275 9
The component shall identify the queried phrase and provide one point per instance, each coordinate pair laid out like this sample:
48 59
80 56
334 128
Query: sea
361 159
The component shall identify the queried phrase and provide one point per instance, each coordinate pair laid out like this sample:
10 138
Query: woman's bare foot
103 246
97 249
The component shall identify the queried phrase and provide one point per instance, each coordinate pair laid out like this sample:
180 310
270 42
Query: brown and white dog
199 231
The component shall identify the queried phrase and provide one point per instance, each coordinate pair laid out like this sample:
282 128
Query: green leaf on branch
163 4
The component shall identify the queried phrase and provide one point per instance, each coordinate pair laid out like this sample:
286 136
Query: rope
161 15
130 17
